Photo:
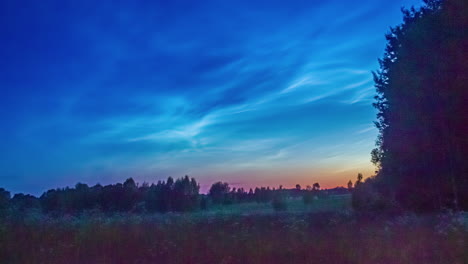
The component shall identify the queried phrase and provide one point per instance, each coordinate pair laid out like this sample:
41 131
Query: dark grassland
326 231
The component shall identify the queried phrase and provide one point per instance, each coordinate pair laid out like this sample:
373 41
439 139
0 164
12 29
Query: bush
204 203
366 198
308 197
279 203
4 201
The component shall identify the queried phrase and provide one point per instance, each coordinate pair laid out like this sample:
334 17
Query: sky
254 93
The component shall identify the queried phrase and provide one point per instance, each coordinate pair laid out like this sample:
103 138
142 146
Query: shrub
279 203
366 198
308 197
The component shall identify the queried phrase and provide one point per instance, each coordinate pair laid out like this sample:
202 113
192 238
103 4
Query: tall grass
321 237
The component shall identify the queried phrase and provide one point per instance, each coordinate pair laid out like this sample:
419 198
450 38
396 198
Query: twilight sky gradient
249 92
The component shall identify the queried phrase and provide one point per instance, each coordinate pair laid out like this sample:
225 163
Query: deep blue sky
249 92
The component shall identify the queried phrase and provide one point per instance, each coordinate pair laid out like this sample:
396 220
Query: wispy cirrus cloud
180 88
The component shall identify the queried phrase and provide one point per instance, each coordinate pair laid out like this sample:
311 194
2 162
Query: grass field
294 206
326 231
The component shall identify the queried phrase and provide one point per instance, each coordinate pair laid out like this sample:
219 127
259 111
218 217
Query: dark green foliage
219 192
4 201
21 202
185 194
157 198
308 197
311 193
181 195
279 202
422 92
263 195
367 198
204 203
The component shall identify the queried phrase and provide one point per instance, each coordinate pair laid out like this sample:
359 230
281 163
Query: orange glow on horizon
247 180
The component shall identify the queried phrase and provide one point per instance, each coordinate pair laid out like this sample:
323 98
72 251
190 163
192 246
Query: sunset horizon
247 93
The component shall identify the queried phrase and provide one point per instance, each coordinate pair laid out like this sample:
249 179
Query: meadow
247 91
325 231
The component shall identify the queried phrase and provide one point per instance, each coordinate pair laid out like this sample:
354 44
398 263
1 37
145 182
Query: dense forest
422 95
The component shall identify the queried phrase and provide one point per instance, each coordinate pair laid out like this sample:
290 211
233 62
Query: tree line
180 195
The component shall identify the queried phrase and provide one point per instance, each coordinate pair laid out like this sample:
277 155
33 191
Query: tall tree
422 91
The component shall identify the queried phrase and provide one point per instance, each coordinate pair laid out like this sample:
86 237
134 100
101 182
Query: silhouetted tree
185 194
263 195
167 195
23 202
129 196
50 201
359 180
218 192
308 196
279 202
4 201
203 203
316 186
155 198
422 150
366 198
181 195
